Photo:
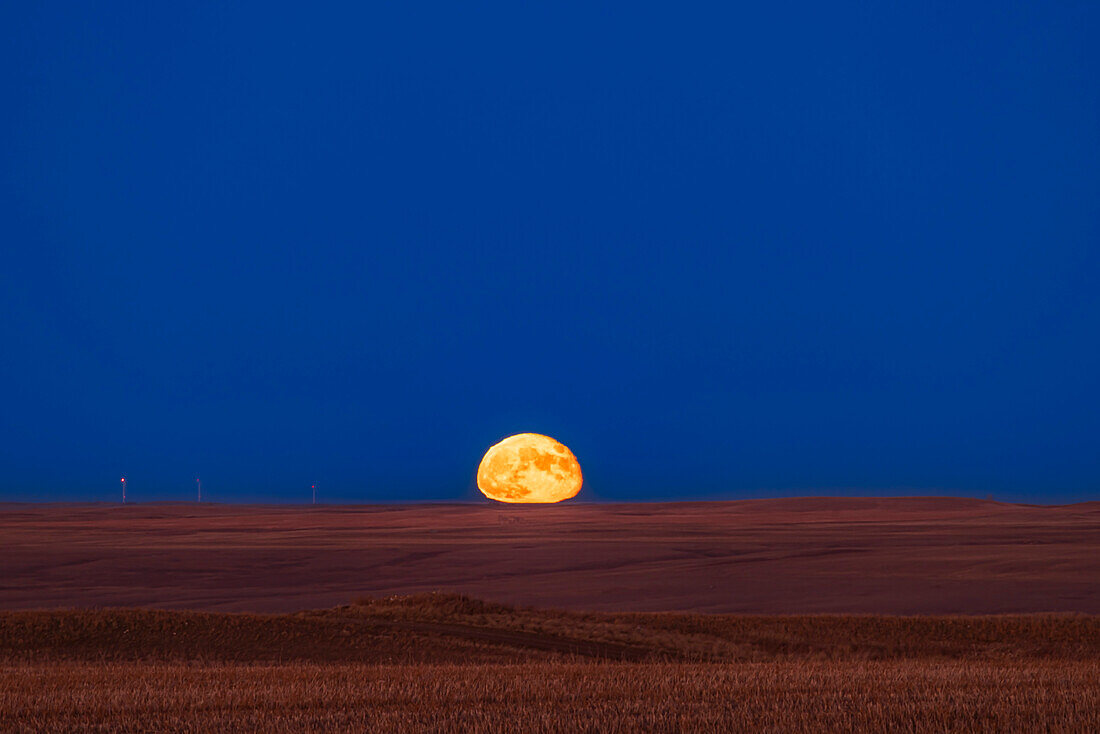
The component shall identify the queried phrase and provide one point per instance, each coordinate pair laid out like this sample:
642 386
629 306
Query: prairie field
808 555
902 615
802 696
449 663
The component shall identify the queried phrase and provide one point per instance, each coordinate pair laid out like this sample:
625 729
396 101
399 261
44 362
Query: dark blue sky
718 251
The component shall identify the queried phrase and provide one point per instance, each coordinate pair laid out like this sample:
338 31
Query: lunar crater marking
529 467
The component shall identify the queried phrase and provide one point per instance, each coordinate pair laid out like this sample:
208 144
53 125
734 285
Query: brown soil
449 663
791 556
450 629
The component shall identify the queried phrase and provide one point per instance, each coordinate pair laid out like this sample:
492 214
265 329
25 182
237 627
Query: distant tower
314 488
198 485
123 480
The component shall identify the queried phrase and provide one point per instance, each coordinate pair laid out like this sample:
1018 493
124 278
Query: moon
529 467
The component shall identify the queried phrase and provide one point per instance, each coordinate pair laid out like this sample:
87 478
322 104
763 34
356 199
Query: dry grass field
783 556
441 662
801 615
897 696
450 629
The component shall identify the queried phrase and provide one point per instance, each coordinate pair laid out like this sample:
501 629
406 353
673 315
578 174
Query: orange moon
529 467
